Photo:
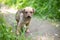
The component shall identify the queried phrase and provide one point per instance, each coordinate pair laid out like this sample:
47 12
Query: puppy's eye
26 12
31 12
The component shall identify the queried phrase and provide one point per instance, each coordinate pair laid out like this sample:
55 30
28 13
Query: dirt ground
39 29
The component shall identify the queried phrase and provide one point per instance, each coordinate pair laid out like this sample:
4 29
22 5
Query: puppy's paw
17 33
27 31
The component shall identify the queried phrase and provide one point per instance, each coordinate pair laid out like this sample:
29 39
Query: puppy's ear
23 10
33 10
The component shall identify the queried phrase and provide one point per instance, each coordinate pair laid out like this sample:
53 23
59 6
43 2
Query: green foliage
6 31
44 8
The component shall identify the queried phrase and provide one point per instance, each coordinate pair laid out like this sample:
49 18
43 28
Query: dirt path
44 28
38 28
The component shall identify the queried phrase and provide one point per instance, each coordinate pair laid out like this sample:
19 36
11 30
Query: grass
6 31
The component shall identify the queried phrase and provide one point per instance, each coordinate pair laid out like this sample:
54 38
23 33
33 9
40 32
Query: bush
44 8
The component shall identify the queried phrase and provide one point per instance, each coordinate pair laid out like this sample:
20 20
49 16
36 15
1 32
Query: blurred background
44 8
46 16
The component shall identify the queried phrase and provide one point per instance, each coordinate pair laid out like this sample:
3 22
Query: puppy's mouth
28 17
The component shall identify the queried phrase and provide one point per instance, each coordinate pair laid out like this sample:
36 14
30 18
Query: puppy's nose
28 17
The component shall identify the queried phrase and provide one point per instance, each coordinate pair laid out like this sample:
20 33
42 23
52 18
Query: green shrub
44 8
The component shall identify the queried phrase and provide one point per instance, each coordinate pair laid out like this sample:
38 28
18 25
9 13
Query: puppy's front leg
19 26
27 28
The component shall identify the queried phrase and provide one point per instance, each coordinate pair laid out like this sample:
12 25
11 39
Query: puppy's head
28 12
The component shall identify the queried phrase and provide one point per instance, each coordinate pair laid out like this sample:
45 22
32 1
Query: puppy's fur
23 17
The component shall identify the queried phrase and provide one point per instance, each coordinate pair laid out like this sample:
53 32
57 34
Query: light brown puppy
23 17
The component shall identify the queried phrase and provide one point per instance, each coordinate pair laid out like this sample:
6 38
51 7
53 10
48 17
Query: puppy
23 18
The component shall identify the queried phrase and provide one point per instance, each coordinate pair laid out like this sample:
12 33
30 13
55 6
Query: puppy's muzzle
28 16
